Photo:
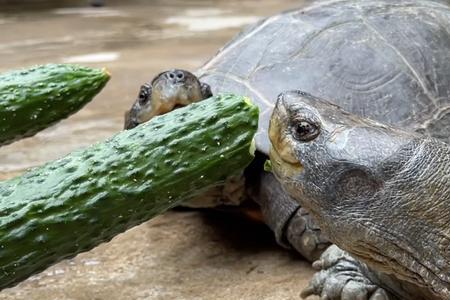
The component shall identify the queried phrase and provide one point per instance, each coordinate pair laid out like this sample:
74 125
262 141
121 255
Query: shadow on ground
180 255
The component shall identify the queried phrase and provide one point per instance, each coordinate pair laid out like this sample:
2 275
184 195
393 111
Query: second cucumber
35 98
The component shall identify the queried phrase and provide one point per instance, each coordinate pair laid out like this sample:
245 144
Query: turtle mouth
284 168
177 84
282 156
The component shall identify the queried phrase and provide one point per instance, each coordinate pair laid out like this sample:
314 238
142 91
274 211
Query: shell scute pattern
380 59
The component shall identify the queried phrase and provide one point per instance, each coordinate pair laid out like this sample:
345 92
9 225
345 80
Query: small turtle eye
143 96
305 131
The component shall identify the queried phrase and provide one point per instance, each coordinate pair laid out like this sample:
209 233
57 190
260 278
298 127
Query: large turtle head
319 150
167 91
378 192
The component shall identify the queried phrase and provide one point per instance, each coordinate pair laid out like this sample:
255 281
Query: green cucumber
75 203
35 98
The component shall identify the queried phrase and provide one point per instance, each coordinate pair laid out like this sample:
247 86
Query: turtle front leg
341 277
206 90
292 225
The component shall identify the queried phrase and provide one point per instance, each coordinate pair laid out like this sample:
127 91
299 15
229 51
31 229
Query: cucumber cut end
268 166
106 72
248 101
252 147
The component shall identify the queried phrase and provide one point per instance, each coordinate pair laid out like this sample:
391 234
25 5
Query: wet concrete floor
180 255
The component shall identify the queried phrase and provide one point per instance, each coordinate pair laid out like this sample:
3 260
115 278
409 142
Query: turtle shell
387 60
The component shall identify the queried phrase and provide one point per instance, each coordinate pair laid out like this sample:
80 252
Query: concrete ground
179 255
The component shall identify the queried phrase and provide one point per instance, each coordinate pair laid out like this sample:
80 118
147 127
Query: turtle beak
282 154
282 168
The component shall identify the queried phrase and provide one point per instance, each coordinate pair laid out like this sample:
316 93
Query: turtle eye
305 131
144 93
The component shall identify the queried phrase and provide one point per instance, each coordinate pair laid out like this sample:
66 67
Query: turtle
380 59
378 191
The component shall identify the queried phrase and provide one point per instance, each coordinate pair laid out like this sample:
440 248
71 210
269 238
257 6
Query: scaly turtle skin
387 60
378 192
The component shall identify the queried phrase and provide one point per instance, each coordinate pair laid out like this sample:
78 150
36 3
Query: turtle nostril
175 76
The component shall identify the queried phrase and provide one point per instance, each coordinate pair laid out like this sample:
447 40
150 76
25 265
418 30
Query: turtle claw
318 265
380 294
339 277
308 291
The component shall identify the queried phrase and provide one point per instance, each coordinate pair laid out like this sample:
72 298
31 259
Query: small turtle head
167 91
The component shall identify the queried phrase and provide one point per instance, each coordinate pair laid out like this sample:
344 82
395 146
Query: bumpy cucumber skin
33 99
75 203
